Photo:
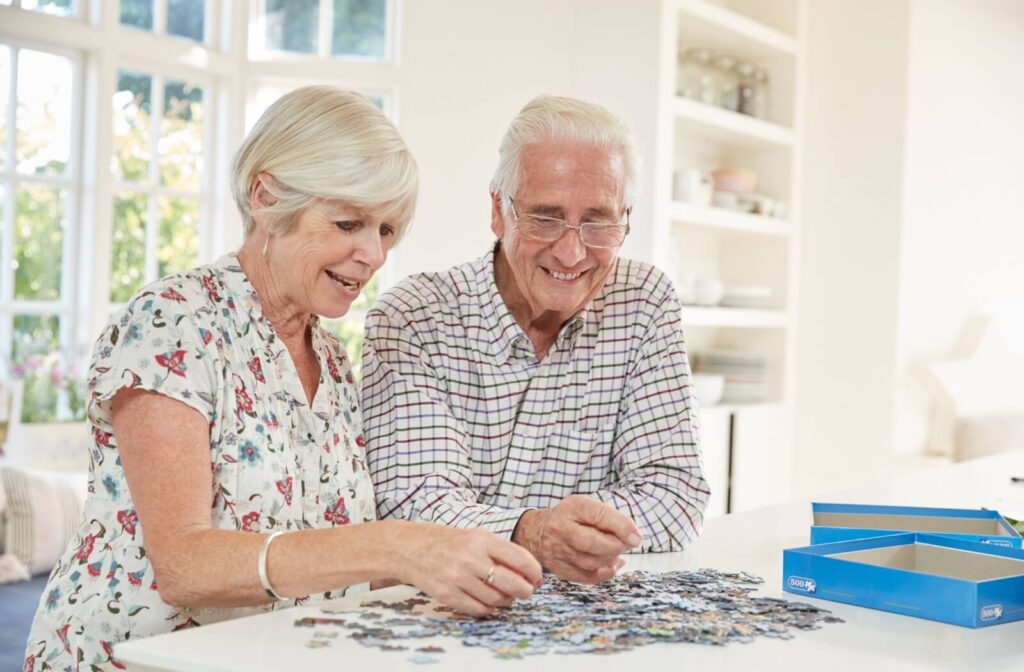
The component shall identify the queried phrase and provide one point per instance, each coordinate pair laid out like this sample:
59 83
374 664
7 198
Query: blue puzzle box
842 522
929 576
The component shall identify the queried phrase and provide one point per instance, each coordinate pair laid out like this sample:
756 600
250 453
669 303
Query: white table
752 541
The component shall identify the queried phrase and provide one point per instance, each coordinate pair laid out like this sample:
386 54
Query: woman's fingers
517 559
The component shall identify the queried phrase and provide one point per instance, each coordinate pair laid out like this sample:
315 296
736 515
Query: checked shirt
465 427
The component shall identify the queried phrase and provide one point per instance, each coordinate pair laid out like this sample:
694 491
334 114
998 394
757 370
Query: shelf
709 316
736 408
720 218
713 123
727 31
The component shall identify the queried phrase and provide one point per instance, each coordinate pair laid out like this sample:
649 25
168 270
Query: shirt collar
501 334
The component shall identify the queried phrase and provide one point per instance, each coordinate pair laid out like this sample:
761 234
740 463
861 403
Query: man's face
577 183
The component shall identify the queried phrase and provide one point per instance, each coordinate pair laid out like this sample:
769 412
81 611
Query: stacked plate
754 296
746 373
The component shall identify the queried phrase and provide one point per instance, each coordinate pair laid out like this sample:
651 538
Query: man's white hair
549 118
327 143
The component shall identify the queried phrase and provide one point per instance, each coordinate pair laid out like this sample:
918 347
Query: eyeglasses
550 229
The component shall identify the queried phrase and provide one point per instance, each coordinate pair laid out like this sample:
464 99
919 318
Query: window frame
66 308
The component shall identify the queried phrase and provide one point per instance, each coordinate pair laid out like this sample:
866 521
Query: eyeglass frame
567 226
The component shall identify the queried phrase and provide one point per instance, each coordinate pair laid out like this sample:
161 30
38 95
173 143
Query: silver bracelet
261 566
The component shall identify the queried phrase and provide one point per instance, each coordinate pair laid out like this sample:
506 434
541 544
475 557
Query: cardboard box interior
938 561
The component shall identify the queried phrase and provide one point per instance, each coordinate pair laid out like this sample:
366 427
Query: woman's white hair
549 118
321 142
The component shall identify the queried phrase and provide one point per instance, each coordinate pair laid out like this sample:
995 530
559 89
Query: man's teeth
565 276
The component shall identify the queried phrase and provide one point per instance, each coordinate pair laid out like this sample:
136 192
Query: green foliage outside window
349 329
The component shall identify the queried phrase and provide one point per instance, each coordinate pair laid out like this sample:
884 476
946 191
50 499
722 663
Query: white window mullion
152 214
10 206
325 28
160 17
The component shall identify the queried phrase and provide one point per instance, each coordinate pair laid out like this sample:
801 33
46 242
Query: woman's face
330 255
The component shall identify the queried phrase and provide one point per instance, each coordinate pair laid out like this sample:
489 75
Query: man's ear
497 217
259 196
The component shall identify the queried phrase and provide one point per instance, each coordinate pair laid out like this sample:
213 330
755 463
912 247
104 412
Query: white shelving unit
736 248
747 447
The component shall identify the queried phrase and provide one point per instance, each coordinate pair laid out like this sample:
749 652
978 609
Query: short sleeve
153 344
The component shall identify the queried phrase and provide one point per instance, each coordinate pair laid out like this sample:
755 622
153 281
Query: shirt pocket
580 456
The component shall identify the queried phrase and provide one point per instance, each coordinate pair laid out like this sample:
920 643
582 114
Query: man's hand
579 540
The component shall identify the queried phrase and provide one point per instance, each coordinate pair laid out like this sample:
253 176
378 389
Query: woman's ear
259 196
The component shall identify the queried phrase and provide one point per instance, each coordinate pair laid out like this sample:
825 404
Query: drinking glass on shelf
762 94
728 82
746 87
701 72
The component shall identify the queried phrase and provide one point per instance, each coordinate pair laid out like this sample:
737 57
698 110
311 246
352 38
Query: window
115 175
157 169
56 7
355 29
181 18
39 205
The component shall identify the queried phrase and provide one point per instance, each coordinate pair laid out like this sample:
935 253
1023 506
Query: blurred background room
834 185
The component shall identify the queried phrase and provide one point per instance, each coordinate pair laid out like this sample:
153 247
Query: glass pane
57 7
185 18
5 88
349 331
360 27
137 13
36 361
132 112
38 242
179 234
44 112
181 136
127 246
292 25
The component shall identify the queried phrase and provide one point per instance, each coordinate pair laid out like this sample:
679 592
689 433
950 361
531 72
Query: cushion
41 515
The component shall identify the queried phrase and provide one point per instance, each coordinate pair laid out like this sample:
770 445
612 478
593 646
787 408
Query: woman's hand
452 566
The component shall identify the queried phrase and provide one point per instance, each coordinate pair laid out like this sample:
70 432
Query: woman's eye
347 225
386 230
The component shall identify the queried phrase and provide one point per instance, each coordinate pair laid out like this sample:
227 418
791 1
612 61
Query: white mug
694 186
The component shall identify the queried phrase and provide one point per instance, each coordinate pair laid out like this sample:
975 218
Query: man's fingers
607 519
589 540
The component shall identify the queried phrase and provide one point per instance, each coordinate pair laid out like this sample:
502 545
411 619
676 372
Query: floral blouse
200 337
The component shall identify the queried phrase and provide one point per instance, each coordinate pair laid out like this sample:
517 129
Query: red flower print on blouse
211 288
108 648
102 438
337 514
251 521
128 519
172 295
332 366
257 369
85 550
243 402
173 362
285 488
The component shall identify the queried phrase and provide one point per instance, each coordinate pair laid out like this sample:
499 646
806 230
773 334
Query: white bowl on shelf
708 387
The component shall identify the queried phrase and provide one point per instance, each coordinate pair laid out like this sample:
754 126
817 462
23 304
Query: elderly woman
228 470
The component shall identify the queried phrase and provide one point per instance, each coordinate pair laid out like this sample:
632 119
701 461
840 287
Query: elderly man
542 391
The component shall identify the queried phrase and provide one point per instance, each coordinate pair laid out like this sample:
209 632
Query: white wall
912 216
963 215
467 67
850 239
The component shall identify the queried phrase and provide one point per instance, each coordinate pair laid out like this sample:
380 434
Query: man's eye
347 225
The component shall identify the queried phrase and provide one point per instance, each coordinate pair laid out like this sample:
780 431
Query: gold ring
489 579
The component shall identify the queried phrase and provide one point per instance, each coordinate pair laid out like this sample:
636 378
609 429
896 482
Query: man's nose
569 249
